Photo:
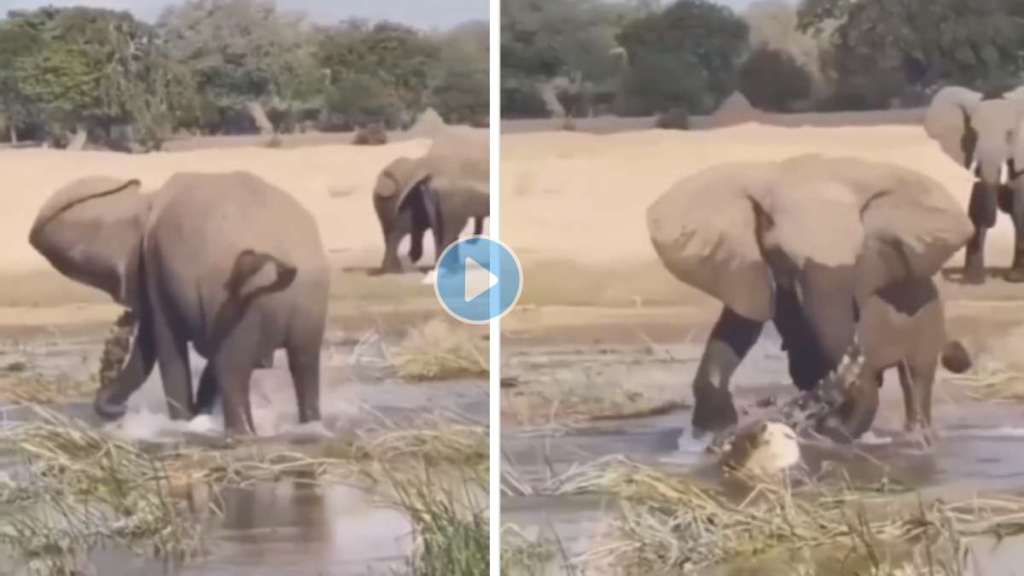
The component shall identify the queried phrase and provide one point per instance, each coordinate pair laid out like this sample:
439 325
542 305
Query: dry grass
78 488
441 350
28 388
670 523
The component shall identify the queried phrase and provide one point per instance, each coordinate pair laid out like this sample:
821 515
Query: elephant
225 261
825 248
439 191
982 133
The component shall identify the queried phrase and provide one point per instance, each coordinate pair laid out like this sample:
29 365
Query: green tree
93 69
401 62
16 43
886 49
570 39
461 94
244 56
685 55
773 80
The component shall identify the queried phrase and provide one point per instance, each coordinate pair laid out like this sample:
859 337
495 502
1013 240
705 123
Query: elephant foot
713 411
107 409
974 275
1015 275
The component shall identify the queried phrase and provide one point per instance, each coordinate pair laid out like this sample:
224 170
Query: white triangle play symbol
478 279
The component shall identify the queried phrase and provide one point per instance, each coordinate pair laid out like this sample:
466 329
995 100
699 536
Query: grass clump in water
450 520
439 350
78 490
673 524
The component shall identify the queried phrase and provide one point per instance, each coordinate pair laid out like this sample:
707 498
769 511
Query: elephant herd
835 251
237 268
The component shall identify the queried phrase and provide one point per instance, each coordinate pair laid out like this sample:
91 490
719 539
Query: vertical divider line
494 340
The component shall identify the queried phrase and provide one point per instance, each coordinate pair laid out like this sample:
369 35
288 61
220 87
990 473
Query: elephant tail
248 263
955 357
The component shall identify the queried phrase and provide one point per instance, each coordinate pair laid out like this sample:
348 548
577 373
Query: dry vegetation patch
441 350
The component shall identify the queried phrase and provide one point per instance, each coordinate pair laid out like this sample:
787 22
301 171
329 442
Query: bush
773 80
373 135
364 100
675 119
521 100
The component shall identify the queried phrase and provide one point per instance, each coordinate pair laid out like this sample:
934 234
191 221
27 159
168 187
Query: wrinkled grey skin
437 192
724 231
983 134
226 262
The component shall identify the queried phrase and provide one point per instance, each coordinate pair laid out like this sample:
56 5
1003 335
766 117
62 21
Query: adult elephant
224 261
440 191
814 245
983 135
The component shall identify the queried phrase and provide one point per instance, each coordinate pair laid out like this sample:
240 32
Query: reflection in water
284 529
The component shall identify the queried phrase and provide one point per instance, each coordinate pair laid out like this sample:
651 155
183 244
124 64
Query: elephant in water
984 135
824 248
224 261
440 191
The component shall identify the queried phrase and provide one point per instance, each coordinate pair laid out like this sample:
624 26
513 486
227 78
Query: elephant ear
91 230
703 231
948 122
81 191
912 226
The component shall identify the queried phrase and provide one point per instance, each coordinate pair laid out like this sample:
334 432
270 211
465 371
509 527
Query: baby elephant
225 262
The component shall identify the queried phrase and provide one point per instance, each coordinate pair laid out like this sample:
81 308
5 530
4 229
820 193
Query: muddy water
979 446
280 529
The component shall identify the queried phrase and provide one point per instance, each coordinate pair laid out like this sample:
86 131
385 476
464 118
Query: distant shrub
373 135
674 119
773 80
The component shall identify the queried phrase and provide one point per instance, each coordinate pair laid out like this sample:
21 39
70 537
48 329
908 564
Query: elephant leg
416 244
304 363
232 369
478 226
391 263
111 399
1015 193
731 339
917 379
172 357
206 396
982 212
448 237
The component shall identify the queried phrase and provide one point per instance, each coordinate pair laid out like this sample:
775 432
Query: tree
243 55
773 80
884 49
90 69
573 40
774 24
399 61
461 94
16 43
686 55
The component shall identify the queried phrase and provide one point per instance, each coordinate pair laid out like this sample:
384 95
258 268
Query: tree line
638 57
227 67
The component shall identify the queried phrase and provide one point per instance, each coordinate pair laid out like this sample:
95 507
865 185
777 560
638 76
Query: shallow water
979 446
280 529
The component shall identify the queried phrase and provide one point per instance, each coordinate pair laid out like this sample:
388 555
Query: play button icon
478 279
